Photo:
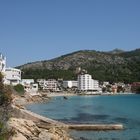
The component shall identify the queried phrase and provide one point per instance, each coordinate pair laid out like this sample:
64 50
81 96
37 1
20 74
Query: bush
5 100
5 97
5 92
19 89
1 126
3 132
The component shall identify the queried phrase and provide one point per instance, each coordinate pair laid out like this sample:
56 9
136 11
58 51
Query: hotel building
86 83
12 76
70 84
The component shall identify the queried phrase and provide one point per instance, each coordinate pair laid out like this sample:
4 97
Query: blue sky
32 30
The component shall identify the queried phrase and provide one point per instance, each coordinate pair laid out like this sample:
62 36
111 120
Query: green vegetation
112 73
1 126
19 89
5 100
5 92
103 66
3 133
49 74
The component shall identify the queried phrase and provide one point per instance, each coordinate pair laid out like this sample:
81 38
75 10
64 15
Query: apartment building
30 86
70 84
12 76
86 83
49 85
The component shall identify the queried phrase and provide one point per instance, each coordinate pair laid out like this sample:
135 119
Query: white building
30 86
27 81
96 85
2 63
41 82
50 84
70 84
12 76
86 83
105 84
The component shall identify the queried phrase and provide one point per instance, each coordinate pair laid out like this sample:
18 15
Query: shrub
5 100
5 95
3 132
1 126
19 89
5 92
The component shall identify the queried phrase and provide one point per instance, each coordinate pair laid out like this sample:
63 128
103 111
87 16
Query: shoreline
80 126
60 94
27 124
76 94
54 122
45 124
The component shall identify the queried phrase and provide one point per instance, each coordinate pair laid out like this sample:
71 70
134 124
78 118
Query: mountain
116 51
103 66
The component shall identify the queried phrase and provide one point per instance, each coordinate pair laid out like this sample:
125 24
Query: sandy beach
60 94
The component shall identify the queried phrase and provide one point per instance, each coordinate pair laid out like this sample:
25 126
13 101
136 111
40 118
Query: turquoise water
96 109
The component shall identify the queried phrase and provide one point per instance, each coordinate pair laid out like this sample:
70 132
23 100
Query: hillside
105 66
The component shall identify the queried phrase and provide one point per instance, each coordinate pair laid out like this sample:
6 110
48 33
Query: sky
33 30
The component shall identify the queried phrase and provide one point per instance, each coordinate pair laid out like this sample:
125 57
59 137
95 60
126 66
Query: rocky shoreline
26 125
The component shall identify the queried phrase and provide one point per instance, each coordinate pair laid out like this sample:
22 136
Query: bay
96 109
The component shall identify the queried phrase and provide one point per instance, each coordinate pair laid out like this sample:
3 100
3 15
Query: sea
124 109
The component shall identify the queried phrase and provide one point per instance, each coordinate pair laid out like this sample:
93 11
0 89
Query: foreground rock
26 125
27 130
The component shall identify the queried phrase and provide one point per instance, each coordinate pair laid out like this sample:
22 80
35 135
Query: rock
28 130
45 135
18 136
25 127
59 134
